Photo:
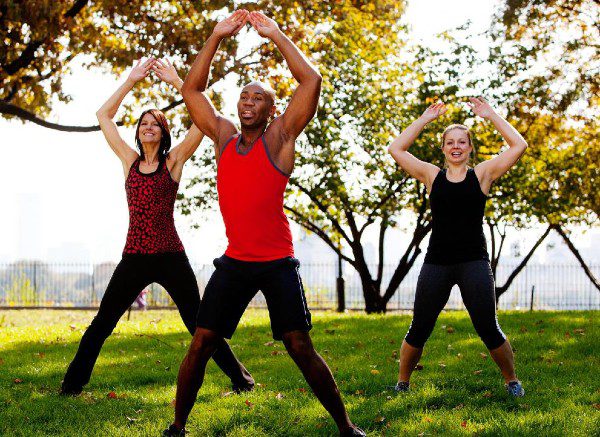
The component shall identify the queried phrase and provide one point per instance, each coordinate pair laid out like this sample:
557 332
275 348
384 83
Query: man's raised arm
203 113
303 105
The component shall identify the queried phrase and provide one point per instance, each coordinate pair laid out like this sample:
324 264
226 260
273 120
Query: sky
63 195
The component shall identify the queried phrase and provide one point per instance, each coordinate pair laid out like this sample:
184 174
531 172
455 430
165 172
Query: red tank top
251 190
151 198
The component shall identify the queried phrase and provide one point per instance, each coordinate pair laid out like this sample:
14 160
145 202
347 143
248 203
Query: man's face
255 106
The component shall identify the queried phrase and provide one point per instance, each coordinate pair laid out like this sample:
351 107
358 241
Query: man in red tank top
253 168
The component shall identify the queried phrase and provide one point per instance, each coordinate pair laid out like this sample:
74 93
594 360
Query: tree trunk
373 300
575 252
407 261
503 289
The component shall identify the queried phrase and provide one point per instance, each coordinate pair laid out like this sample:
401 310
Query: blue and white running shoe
514 388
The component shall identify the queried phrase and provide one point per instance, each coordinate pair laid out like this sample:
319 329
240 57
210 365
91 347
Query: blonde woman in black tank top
457 252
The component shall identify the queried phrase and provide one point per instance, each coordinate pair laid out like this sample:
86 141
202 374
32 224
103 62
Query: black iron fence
538 286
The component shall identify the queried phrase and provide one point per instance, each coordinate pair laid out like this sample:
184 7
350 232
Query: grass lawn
459 391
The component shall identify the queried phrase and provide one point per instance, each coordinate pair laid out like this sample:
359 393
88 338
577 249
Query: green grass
556 353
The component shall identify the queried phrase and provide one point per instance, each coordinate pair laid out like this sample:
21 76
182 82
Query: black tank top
457 216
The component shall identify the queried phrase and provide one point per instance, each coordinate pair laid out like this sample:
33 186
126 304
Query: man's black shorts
233 285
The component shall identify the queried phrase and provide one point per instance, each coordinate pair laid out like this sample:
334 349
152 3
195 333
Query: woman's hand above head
166 72
481 107
434 111
109 109
490 170
421 170
140 70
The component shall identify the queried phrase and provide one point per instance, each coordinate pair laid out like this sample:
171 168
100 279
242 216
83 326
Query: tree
44 40
555 105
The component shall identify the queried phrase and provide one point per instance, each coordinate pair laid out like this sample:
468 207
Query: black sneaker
240 388
70 390
401 387
173 431
355 431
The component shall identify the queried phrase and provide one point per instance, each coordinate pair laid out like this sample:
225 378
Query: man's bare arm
304 101
201 109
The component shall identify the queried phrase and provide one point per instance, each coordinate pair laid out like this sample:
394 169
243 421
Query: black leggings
476 283
131 276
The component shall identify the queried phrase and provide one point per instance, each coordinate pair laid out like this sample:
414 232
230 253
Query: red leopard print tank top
151 199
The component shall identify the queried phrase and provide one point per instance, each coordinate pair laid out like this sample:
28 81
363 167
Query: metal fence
38 284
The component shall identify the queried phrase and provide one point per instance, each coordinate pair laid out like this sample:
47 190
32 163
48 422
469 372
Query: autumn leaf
567 334
483 355
477 372
172 403
459 407
111 395
379 419
450 330
302 390
359 392
248 403
374 372
463 423
72 327
427 419
269 343
487 394
579 331
18 381
279 396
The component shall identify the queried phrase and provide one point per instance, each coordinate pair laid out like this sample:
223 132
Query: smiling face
152 132
149 130
256 105
457 145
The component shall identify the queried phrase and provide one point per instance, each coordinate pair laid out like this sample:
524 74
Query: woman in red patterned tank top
153 251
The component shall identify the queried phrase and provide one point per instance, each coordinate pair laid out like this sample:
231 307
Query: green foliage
457 393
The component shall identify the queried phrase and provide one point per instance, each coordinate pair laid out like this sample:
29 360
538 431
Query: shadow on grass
554 355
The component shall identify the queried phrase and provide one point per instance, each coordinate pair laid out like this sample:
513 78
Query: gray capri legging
476 283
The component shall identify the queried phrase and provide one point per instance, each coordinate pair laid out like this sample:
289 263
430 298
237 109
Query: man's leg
319 377
179 280
127 281
290 321
191 373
